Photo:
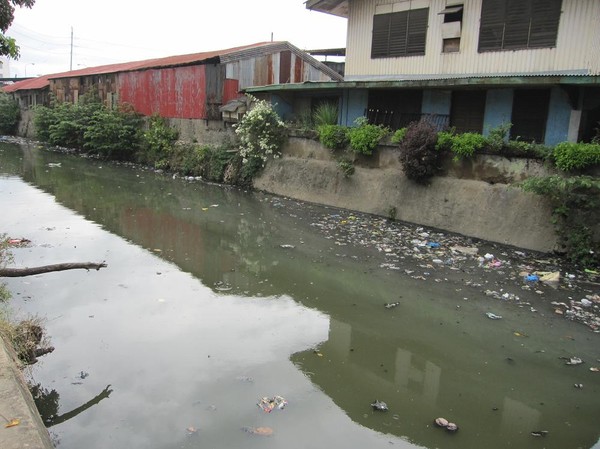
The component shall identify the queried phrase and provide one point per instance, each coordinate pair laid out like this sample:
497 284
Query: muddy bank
469 200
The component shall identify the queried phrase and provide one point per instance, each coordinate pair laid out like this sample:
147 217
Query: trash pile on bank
494 270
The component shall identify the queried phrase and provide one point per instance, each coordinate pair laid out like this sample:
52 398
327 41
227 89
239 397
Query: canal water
214 298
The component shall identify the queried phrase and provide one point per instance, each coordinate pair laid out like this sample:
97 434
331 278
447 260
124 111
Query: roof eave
334 7
438 83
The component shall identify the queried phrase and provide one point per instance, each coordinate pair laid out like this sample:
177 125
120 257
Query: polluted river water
214 298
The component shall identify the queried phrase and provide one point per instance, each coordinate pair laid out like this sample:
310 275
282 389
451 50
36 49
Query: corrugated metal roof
229 54
33 83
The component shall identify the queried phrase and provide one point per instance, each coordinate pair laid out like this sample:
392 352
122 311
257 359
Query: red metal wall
171 92
230 90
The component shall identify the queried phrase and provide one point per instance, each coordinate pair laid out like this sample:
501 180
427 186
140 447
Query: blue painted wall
559 115
354 105
498 109
282 107
436 102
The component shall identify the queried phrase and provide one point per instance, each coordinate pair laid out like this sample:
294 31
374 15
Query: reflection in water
425 358
47 402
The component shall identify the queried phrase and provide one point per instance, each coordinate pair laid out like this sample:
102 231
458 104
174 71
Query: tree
8 45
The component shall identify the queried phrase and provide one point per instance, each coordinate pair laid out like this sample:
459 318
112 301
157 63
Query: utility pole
71 63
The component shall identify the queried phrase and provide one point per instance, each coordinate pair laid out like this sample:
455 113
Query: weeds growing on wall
570 156
576 210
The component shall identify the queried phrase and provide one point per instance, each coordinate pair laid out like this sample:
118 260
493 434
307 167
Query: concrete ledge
16 402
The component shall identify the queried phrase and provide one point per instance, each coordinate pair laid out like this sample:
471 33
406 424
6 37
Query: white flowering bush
261 133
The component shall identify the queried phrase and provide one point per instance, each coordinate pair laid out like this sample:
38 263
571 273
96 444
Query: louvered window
518 24
399 33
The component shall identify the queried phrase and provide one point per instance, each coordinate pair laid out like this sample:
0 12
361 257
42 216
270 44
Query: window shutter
491 28
544 23
417 31
398 33
516 31
381 35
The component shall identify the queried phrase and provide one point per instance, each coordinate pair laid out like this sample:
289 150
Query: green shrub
334 137
398 135
466 144
576 156
9 114
576 204
498 136
326 114
419 157
444 140
365 137
261 132
113 134
158 143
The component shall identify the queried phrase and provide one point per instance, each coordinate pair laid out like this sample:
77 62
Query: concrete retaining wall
16 402
473 198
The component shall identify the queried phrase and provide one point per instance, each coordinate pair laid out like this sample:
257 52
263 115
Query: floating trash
379 405
287 246
493 316
451 427
572 360
262 431
270 404
539 433
441 422
391 305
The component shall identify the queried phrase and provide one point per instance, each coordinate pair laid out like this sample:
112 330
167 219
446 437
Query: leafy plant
365 137
576 156
261 132
158 142
576 204
9 114
398 135
419 156
326 114
466 144
334 137
346 166
113 134
498 136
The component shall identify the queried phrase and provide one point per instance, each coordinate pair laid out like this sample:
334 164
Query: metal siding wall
559 116
498 108
230 90
174 92
578 44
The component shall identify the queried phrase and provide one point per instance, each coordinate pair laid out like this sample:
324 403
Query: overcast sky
110 31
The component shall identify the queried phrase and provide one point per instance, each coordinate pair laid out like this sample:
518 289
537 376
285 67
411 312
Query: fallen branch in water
19 272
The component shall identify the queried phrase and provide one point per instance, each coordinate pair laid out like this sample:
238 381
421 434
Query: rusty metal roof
33 83
169 61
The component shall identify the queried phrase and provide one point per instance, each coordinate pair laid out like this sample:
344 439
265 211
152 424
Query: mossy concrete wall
473 198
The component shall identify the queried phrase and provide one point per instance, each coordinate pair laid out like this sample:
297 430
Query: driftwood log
19 272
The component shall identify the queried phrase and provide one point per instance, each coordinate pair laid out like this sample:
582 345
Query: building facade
472 64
